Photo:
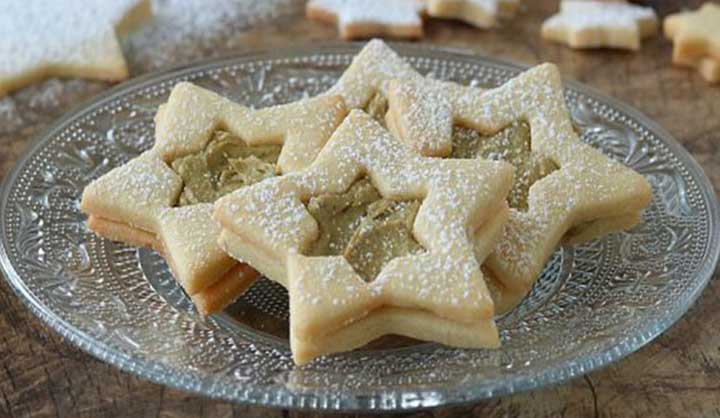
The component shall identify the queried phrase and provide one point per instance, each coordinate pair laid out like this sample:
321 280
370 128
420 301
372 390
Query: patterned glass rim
465 392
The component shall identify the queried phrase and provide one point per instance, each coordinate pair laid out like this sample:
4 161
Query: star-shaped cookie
436 294
160 199
480 13
598 24
366 18
582 194
696 39
73 38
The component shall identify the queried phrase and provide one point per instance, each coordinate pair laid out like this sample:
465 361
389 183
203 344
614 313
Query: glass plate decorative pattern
593 304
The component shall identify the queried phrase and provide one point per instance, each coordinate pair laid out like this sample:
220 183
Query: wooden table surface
676 375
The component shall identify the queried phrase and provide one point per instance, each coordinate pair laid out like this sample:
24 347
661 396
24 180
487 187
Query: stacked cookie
391 204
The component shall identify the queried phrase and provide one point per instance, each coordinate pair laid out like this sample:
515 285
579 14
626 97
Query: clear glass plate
594 303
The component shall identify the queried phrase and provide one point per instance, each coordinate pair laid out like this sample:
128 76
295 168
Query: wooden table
677 375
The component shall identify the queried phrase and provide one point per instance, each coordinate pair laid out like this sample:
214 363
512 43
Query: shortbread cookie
563 186
597 24
480 13
206 146
696 39
416 217
366 18
73 38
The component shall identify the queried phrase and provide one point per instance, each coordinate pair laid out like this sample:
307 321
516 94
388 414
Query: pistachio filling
377 107
512 144
226 164
365 228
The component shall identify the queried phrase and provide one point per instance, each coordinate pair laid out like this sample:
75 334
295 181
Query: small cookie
696 39
72 38
567 188
429 211
366 18
597 24
480 13
206 146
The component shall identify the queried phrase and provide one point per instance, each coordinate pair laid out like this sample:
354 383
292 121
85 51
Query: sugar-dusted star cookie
73 38
564 189
696 39
598 24
373 239
366 18
206 146
480 13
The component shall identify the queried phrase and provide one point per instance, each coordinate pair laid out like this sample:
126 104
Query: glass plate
592 305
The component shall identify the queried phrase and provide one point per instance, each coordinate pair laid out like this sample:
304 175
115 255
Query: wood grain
677 375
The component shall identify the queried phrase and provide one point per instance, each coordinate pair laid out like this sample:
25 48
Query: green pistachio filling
511 144
226 164
367 229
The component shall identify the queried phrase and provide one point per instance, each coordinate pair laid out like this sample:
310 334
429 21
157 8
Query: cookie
73 38
479 13
414 218
206 146
597 24
358 19
564 188
696 40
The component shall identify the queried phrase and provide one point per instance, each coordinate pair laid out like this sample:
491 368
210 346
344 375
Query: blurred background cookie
696 40
73 38
358 19
600 24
